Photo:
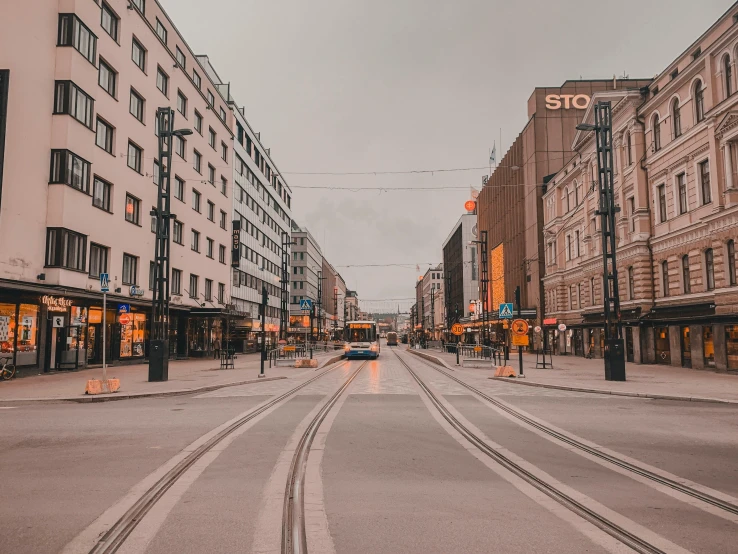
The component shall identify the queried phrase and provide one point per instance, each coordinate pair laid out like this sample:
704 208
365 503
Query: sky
346 86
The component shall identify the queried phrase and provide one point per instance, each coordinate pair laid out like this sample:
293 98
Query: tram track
294 537
614 460
608 526
115 537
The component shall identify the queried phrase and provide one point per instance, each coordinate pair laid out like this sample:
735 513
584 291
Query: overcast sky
396 85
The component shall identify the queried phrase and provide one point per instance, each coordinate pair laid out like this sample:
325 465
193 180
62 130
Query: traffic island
306 363
98 386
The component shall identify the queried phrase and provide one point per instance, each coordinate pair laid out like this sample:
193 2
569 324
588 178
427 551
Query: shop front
20 331
205 332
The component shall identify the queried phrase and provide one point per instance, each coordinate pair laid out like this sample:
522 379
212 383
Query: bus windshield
361 334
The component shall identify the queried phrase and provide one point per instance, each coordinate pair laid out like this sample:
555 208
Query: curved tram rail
294 538
614 530
114 538
638 470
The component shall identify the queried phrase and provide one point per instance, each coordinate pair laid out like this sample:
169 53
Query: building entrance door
686 347
629 352
663 349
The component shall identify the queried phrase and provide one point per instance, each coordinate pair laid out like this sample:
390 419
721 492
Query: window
72 32
731 263
221 293
686 282
71 100
133 209
211 137
136 106
138 55
177 229
224 186
661 189
568 248
210 246
198 162
592 289
656 133
109 21
98 260
193 285
181 59
222 113
198 122
211 98
195 240
157 172
104 136
682 188
728 76
211 174
179 187
576 243
176 281
180 146
196 79
705 181
130 269
161 31
211 211
66 249
224 151
181 103
107 78
676 116
631 214
135 156
140 4
195 200
631 284
665 277
101 194
208 290
69 169
572 297
222 254
162 81
629 148
710 269
699 101
223 220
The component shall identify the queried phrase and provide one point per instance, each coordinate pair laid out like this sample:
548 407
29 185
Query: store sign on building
236 243
136 291
567 101
56 304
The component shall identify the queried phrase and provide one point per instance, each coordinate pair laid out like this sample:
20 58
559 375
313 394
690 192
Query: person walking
216 349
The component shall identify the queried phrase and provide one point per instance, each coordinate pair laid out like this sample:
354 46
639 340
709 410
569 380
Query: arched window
731 262
665 277
710 269
656 133
628 149
685 274
676 119
699 101
728 75
631 284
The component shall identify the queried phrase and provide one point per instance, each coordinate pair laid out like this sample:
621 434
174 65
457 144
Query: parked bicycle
7 371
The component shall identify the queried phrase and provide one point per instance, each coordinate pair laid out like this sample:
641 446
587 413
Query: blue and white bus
362 339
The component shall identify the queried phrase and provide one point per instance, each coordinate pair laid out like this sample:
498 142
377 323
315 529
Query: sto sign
567 101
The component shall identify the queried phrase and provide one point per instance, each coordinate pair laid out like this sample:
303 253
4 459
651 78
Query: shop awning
680 312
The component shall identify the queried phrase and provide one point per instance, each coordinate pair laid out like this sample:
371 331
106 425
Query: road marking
585 527
8 407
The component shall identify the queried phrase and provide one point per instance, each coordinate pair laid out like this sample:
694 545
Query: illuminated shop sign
56 304
567 101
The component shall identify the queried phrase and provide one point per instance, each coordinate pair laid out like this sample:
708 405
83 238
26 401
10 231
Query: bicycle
7 372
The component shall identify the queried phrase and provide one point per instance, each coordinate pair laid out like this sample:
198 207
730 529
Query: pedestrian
216 349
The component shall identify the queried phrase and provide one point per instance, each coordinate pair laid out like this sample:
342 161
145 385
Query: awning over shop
680 313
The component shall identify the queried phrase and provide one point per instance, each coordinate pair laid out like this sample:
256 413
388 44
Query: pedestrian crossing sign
306 305
506 311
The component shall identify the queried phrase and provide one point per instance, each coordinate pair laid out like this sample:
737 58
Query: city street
400 457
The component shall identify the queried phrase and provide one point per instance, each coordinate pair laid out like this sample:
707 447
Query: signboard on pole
124 308
104 282
520 327
506 311
520 340
306 305
457 329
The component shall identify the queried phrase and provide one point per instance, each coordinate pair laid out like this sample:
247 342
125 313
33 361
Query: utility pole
320 303
485 288
262 310
433 313
159 344
614 356
456 320
520 348
335 310
447 302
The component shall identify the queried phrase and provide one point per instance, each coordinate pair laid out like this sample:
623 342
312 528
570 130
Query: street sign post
306 305
457 329
104 288
506 311
520 327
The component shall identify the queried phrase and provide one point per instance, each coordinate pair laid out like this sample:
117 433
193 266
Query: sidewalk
650 381
185 376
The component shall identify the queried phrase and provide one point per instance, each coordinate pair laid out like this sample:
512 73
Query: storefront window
708 346
198 335
731 342
7 330
27 335
132 332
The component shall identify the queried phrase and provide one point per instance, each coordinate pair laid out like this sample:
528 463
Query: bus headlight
374 347
347 347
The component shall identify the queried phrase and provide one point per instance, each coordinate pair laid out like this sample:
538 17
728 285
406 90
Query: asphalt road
387 471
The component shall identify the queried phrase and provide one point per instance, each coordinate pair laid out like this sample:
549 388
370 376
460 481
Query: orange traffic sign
520 340
124 319
457 329
520 327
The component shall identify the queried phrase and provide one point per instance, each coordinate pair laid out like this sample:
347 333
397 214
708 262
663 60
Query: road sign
104 282
537 328
520 327
124 308
520 340
562 327
57 321
506 311
457 329
306 305
124 319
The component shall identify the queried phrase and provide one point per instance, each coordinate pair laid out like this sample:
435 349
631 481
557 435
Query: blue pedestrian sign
306 305
506 311
104 282
124 308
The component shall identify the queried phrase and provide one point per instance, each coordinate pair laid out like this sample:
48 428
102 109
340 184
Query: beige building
677 186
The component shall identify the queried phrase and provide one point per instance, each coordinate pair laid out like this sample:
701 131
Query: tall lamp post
159 342
614 355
